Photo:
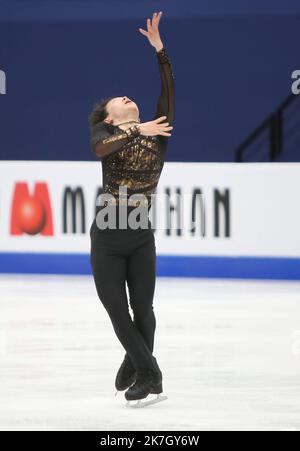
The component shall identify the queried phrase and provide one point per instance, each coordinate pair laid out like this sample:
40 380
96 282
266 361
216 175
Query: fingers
165 125
160 119
156 18
165 130
145 33
154 22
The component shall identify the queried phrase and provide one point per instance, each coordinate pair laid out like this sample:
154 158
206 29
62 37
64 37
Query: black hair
99 111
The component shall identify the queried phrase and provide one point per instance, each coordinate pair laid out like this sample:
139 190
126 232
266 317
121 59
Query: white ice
229 352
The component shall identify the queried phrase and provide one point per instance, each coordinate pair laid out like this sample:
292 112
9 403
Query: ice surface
229 352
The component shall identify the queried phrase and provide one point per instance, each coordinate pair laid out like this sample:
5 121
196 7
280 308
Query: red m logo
31 214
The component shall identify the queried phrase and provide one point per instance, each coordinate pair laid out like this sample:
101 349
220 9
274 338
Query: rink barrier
273 268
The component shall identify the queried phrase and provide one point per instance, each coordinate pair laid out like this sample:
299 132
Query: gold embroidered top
129 158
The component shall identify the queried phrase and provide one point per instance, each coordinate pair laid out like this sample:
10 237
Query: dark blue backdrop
232 67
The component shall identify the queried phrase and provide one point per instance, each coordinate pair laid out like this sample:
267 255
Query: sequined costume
129 158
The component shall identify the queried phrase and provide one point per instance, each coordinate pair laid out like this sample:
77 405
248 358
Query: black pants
126 255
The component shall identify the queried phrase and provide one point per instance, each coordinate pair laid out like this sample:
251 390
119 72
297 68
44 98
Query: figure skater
132 156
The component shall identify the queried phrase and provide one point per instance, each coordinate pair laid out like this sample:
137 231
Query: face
121 109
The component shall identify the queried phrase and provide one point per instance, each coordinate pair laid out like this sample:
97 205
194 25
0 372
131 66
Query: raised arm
104 143
166 101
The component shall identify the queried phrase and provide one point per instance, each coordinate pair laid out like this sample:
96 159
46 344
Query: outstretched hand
152 32
156 127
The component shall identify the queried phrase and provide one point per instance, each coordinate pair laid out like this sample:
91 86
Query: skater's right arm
104 143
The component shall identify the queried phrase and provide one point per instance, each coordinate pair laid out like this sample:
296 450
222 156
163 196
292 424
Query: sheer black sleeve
104 143
166 101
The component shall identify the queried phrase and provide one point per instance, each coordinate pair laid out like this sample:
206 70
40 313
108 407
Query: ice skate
148 382
126 375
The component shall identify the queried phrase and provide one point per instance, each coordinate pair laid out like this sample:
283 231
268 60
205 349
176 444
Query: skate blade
141 403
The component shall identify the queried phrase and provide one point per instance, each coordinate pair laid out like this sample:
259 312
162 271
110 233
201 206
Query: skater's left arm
166 101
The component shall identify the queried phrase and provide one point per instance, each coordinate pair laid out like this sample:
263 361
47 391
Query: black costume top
129 158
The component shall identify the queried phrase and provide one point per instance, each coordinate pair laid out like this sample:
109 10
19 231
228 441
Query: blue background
232 62
232 67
